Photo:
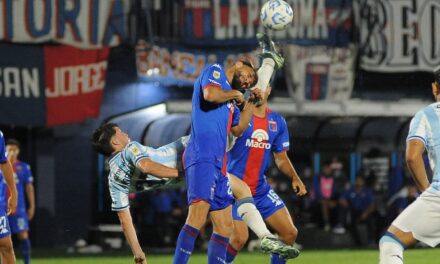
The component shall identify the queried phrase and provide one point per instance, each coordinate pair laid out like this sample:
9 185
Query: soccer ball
276 14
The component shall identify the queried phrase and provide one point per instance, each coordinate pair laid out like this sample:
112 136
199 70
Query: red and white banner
320 72
75 81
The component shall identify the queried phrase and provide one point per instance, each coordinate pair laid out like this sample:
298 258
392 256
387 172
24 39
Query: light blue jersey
124 173
425 126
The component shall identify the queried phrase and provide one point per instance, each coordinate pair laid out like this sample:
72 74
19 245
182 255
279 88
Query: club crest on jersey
134 150
273 126
216 74
258 139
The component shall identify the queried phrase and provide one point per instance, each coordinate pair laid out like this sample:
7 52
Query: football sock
185 244
217 249
251 216
25 246
391 249
276 259
265 73
231 253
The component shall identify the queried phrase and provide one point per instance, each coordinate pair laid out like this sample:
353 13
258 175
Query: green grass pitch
416 256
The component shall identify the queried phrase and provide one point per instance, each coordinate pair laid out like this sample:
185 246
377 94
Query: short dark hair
247 61
101 138
437 75
14 142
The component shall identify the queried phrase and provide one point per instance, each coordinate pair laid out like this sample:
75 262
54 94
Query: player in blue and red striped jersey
8 207
267 133
19 222
214 115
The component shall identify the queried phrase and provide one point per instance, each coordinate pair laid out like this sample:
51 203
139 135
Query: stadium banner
75 81
81 23
22 100
180 66
398 36
226 22
320 72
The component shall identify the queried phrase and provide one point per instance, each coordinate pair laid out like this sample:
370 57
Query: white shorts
422 219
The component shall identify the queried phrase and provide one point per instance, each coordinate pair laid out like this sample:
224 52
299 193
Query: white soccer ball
276 14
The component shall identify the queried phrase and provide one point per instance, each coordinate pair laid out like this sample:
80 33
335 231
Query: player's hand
298 187
12 204
256 96
140 258
30 213
239 98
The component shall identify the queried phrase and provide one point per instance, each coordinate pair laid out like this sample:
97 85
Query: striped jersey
210 122
124 172
250 155
425 126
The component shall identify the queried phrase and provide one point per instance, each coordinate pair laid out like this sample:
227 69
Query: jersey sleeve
281 142
213 76
119 198
134 152
235 116
418 128
28 178
2 149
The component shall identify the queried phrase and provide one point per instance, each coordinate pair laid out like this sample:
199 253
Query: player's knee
289 236
7 248
238 242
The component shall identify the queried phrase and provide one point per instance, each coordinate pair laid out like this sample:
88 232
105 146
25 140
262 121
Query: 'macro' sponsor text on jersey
251 153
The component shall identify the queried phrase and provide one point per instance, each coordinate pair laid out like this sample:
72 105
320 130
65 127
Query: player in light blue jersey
127 158
420 220
19 222
6 248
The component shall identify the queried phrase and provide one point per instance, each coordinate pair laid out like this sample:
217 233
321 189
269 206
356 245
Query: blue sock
25 246
276 259
185 244
231 253
217 249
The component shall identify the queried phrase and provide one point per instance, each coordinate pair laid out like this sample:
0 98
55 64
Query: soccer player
19 222
6 207
267 133
419 221
126 158
214 114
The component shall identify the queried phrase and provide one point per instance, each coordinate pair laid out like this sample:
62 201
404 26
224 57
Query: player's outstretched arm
130 235
8 175
148 166
215 94
414 160
285 166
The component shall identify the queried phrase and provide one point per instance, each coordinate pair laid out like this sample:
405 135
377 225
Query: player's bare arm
148 166
8 175
130 235
30 193
215 94
245 118
285 166
414 160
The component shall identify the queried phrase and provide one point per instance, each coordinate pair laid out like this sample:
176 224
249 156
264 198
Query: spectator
357 205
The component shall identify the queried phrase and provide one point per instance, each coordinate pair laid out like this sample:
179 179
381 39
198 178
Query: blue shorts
267 204
19 222
205 182
5 230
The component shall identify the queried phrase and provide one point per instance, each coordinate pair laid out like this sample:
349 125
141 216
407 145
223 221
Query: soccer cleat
270 50
276 246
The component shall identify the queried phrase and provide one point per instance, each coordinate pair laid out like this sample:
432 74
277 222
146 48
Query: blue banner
171 65
22 99
235 22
